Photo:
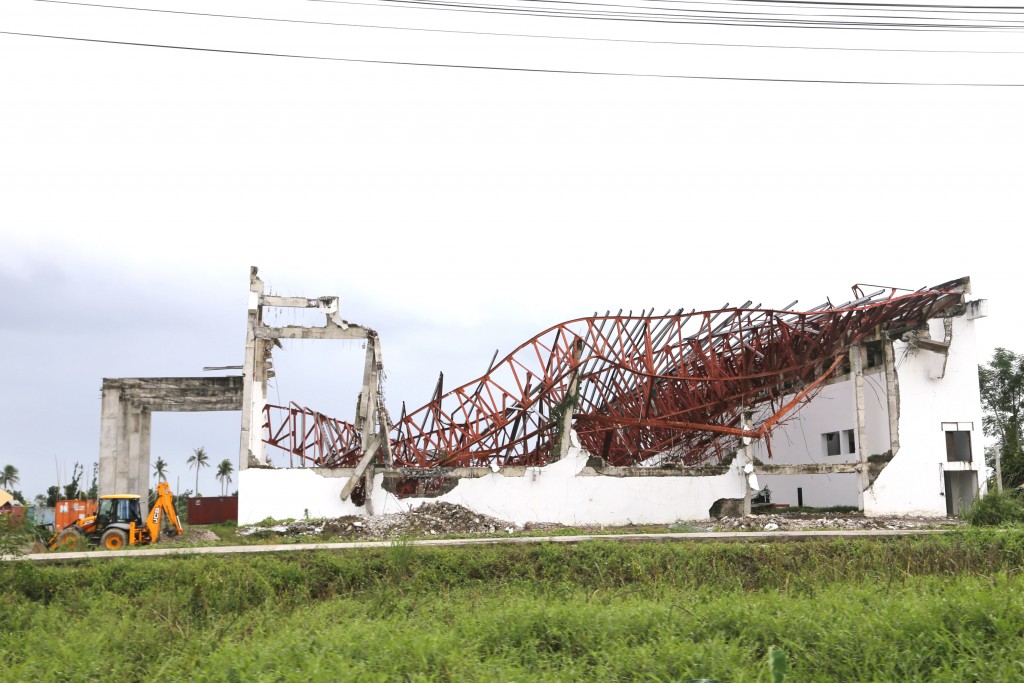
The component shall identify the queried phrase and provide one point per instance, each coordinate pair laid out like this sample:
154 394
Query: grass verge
944 607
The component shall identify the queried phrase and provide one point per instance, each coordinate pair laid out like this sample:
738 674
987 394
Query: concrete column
366 413
571 399
251 415
143 458
110 412
124 449
892 396
749 478
134 449
860 417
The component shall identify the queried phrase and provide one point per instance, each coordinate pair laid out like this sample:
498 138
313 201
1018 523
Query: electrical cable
835 8
667 19
477 67
526 35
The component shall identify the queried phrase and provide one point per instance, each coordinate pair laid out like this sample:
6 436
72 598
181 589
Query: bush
997 509
16 535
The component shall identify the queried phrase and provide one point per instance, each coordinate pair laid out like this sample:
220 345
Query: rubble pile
824 521
191 535
431 519
447 519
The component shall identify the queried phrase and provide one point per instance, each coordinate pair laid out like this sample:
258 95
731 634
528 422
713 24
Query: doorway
961 490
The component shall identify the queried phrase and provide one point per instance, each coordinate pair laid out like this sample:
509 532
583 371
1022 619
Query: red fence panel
212 509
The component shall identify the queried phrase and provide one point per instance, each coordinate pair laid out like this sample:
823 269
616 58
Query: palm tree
160 469
9 477
198 459
224 470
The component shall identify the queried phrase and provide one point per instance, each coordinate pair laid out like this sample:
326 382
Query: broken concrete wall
931 393
566 492
126 422
801 442
913 482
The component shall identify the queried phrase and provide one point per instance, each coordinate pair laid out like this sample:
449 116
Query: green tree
198 459
73 489
52 496
160 469
224 470
1002 400
9 477
94 492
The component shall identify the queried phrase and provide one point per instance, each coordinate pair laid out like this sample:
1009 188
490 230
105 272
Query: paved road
727 536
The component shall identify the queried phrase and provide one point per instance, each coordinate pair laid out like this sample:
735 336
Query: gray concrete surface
724 536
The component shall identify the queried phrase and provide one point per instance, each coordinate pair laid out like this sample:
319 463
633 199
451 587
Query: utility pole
999 468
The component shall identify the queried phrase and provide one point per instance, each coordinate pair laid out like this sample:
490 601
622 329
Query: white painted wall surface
799 441
555 493
913 482
819 490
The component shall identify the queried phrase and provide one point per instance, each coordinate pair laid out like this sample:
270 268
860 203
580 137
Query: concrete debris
826 521
431 519
191 535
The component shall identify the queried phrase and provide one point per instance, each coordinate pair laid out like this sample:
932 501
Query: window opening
958 446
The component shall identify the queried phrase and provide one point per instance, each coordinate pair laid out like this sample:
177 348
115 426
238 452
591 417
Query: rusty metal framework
637 389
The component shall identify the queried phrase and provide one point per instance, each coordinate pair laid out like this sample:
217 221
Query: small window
873 355
851 441
958 446
832 443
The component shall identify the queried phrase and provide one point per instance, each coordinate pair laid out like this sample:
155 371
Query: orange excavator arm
163 507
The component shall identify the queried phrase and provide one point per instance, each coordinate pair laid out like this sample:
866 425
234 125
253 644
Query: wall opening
958 446
175 436
961 490
838 443
873 355
833 446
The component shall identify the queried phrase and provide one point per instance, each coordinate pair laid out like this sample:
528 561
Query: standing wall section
912 483
564 492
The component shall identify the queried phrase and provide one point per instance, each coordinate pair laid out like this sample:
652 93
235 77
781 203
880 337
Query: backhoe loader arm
164 506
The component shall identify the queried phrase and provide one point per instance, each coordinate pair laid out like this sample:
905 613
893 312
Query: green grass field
935 608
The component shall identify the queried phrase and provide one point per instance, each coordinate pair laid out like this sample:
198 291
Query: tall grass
998 508
935 608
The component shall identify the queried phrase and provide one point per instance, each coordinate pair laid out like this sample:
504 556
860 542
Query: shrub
16 535
998 508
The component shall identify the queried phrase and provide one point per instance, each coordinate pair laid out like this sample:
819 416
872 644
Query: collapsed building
622 418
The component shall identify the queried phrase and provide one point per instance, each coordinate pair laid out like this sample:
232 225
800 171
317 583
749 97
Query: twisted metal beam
644 388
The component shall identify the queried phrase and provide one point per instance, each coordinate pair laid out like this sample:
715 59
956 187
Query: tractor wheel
113 539
71 539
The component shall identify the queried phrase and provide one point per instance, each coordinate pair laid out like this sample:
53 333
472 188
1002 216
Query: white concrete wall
819 490
558 492
799 441
913 482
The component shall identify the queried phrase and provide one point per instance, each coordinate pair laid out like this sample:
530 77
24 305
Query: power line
671 19
829 6
476 67
524 35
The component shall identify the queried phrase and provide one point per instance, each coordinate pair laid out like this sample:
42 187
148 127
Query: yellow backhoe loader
118 522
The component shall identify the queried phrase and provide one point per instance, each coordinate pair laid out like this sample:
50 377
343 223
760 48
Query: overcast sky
457 211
